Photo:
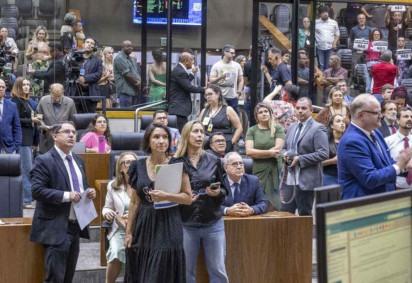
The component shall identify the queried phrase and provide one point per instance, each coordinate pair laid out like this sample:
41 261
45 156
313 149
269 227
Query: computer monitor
365 239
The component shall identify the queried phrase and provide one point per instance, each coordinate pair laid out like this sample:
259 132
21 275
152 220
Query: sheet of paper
168 179
84 210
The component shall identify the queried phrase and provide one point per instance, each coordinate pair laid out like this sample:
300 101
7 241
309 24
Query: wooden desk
276 247
20 260
97 168
101 185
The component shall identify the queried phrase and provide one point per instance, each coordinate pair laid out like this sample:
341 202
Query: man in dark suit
58 179
217 144
55 72
246 196
55 108
305 148
365 166
179 100
10 127
90 72
388 123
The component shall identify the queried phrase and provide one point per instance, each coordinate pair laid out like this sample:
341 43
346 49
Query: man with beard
365 166
388 123
399 141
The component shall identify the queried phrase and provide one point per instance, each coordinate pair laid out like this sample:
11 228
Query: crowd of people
360 142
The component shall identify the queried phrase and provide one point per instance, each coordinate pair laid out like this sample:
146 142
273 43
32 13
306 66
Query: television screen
184 12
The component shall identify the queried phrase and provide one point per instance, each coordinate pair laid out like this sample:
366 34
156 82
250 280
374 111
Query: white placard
379 46
403 54
398 8
360 44
168 179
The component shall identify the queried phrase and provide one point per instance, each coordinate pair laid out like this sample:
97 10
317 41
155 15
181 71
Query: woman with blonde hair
335 105
106 82
115 210
263 144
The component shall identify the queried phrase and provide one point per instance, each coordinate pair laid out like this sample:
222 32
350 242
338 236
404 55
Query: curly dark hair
92 128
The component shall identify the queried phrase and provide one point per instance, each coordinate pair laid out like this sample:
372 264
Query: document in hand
84 210
168 179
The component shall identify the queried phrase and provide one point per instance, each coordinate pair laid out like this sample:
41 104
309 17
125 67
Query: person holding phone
202 220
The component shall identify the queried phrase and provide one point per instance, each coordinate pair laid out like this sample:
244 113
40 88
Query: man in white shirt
402 139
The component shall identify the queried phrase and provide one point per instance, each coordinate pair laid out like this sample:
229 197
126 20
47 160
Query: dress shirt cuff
397 169
225 211
66 197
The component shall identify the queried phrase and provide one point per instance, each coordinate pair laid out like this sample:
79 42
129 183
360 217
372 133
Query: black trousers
181 122
303 200
60 260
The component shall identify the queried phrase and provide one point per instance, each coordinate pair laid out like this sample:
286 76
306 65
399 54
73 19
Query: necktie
236 195
295 140
409 176
375 141
393 129
75 180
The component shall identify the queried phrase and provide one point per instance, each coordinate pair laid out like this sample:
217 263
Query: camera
72 63
6 59
289 156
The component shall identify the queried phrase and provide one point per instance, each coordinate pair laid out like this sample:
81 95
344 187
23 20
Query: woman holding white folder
117 206
202 220
154 237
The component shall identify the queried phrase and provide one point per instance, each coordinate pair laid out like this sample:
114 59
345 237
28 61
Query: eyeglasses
146 191
208 94
67 132
237 163
220 141
127 162
377 113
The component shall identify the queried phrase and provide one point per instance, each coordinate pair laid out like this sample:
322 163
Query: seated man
332 75
217 144
246 196
160 117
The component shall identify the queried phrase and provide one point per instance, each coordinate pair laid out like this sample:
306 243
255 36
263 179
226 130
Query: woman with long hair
97 136
29 121
202 220
217 116
372 57
335 105
263 144
154 237
116 208
157 76
304 34
336 128
106 82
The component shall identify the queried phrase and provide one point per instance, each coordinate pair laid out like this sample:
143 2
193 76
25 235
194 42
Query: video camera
72 63
6 59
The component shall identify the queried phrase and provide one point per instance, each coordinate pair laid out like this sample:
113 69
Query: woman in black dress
154 237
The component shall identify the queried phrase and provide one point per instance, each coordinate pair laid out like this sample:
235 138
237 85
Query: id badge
210 128
206 121
82 72
307 42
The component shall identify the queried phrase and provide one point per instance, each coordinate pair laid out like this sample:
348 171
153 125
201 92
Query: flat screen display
184 12
366 242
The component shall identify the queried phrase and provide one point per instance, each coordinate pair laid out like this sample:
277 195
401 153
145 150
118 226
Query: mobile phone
214 186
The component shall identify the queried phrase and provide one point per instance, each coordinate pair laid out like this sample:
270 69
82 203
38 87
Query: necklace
335 110
212 114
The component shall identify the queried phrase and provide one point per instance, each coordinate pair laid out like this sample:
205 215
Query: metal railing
137 123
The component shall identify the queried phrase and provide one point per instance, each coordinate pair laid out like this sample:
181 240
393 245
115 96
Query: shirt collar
61 153
184 68
231 182
368 134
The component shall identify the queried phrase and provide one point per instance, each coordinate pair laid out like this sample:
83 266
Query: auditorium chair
10 23
11 188
127 141
346 58
248 164
327 194
359 78
25 8
10 11
81 122
145 121
343 38
48 9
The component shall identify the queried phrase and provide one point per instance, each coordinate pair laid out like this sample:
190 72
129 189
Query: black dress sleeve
132 172
175 160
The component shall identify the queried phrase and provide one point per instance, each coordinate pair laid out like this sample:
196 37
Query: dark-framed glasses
237 164
127 162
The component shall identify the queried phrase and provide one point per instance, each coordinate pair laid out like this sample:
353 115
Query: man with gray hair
365 166
246 196
332 75
383 73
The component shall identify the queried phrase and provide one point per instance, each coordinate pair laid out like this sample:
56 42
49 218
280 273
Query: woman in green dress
264 142
157 75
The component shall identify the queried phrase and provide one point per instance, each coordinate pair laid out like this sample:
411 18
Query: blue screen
184 12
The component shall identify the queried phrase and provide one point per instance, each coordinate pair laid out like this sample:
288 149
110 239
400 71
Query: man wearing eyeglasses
10 127
58 179
217 144
55 108
365 166
246 196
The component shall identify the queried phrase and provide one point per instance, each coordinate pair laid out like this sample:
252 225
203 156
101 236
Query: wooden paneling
20 260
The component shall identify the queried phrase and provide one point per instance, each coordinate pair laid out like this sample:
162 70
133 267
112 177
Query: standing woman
336 128
117 204
202 220
98 137
29 120
263 144
372 57
157 75
335 105
154 237
217 116
106 82
304 34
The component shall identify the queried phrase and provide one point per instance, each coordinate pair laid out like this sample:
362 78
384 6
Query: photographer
83 72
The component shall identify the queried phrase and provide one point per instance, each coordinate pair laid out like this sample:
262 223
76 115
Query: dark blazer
384 128
50 180
27 127
10 127
362 169
45 107
251 193
54 74
179 100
